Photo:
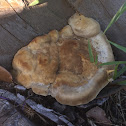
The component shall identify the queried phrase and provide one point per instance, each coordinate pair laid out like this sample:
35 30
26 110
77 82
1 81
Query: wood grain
19 24
103 11
9 45
14 24
47 16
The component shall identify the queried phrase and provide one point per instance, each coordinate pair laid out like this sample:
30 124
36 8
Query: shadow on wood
19 24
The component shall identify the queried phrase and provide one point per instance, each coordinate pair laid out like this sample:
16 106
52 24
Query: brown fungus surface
58 63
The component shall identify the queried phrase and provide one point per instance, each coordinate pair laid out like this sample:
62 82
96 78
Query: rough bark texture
9 116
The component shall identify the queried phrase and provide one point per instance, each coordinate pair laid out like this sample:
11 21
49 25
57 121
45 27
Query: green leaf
122 82
35 2
96 60
113 63
116 16
118 46
115 72
90 52
121 72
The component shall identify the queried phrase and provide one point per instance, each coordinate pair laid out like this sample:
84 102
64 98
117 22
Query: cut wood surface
19 24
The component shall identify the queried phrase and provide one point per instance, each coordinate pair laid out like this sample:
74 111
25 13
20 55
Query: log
19 24
103 11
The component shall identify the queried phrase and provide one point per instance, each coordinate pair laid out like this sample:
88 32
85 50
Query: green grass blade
122 82
116 16
118 46
35 2
96 60
90 52
121 72
113 63
115 72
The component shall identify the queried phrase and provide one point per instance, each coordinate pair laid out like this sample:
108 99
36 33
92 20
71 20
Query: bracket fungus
58 63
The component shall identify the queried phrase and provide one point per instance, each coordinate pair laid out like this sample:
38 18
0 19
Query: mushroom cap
58 63
83 26
80 94
66 32
36 64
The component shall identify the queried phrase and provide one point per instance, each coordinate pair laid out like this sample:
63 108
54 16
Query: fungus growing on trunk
58 64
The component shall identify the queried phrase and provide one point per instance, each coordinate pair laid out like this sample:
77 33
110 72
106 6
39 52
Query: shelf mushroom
58 63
